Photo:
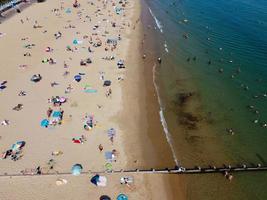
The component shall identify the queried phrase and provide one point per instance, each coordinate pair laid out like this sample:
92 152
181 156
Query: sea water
215 50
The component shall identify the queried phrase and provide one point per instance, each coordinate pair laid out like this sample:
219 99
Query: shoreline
155 149
147 126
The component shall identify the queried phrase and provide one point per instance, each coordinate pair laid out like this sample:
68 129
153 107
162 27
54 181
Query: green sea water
216 52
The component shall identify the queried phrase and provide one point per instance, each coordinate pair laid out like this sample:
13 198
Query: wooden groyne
176 170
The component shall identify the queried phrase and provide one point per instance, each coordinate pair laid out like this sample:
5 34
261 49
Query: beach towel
77 141
108 156
68 11
56 114
90 91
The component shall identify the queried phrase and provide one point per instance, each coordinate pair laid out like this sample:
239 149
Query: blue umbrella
44 123
76 169
78 78
75 41
122 197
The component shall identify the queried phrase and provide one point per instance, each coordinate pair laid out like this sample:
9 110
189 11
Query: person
159 60
65 65
5 122
111 139
100 147
38 170
49 112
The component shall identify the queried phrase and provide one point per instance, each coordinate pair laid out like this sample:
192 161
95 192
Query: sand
121 110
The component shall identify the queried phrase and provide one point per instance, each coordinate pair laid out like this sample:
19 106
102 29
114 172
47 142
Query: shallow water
229 42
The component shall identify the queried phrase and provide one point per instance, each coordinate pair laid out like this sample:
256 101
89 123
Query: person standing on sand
49 112
100 147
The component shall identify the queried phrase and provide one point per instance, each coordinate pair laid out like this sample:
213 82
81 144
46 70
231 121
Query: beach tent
99 180
36 78
112 41
105 197
107 83
95 179
78 78
76 169
118 10
120 64
122 197
44 123
18 145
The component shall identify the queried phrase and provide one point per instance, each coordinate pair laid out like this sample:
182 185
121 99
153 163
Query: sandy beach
76 90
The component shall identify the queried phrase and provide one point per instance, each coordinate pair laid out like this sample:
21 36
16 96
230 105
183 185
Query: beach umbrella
105 197
122 197
75 41
76 169
78 78
95 179
44 123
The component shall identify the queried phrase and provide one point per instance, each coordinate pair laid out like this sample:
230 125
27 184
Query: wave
158 23
166 47
162 119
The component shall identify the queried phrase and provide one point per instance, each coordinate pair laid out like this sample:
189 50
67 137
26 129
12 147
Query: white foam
166 47
158 23
162 119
